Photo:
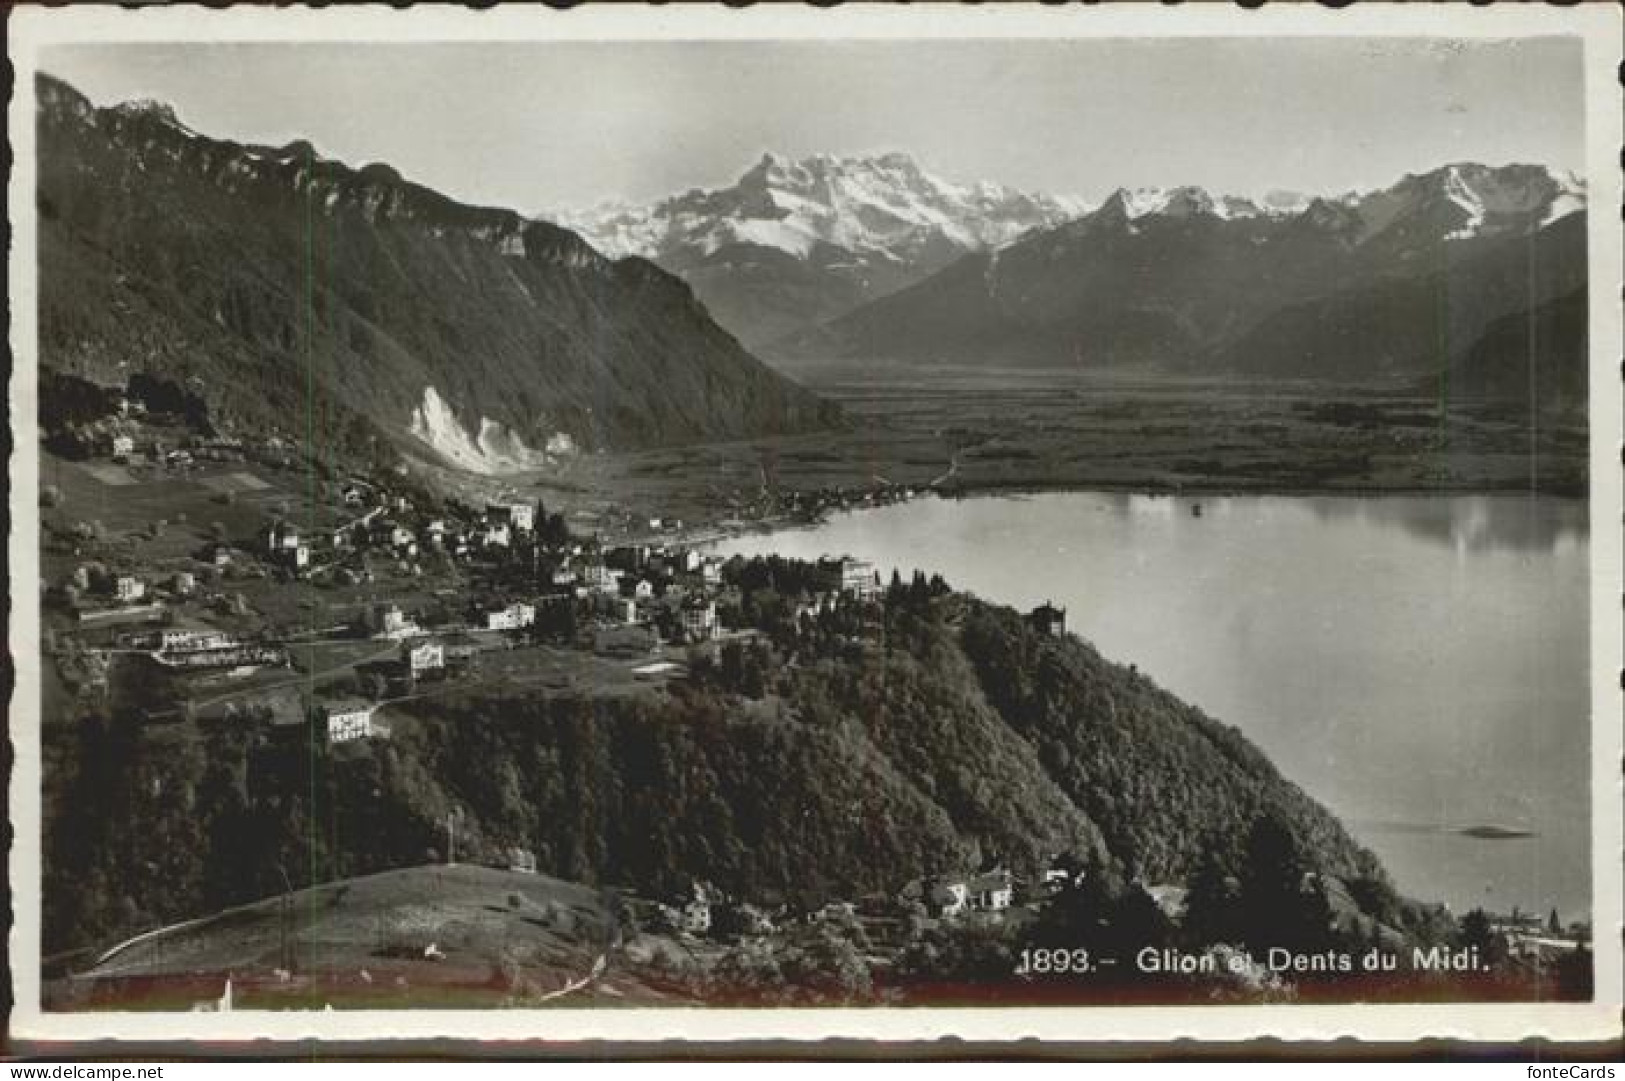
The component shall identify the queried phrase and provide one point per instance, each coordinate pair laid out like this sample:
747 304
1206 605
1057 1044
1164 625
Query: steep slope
1165 782
362 313
1398 323
794 242
1360 287
1536 358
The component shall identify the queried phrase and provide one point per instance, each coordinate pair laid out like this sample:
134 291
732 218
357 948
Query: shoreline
711 533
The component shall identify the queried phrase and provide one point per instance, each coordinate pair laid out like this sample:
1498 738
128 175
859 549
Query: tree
1553 924
969 951
1477 932
1080 915
1213 904
828 969
1283 899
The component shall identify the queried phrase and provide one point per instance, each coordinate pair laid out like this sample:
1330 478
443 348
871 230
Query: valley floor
967 432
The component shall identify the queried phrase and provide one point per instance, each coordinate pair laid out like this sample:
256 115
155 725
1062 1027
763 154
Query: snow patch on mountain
495 450
1457 191
1570 197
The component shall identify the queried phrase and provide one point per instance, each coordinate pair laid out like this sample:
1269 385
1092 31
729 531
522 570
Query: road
301 679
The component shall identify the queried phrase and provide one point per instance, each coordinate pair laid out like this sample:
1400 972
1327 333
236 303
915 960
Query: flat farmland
965 431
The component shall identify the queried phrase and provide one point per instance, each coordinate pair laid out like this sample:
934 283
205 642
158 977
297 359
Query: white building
349 721
123 447
426 657
521 516
391 620
129 589
699 618
599 578
511 618
182 639
852 577
991 892
282 537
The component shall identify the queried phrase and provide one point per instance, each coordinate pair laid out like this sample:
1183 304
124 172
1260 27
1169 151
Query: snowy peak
157 110
1283 201
884 205
1455 202
1467 200
1181 202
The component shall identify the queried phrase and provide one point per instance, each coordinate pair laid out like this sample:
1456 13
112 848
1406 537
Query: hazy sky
534 126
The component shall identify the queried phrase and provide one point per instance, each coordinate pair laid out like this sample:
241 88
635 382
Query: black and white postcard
888 522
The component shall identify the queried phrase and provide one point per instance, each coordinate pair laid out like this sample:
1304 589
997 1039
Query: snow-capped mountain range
885 205
1345 287
798 241
1493 200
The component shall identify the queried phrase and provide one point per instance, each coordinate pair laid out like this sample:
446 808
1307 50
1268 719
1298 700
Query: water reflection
1476 523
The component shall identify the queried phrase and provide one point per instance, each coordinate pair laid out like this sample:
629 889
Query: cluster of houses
125 597
814 504
387 524
991 892
127 438
1527 935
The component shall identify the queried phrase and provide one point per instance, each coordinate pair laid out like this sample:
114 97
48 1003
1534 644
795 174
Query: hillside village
246 587
362 588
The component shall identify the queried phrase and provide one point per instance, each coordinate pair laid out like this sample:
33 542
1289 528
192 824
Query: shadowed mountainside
360 313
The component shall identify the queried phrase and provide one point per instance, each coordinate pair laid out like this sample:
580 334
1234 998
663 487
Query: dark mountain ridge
1391 285
364 312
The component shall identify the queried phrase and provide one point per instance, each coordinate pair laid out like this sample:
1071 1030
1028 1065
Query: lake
1419 664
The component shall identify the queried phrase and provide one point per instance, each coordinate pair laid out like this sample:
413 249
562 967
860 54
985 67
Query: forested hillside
834 757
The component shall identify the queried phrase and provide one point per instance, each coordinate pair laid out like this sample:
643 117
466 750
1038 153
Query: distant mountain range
364 314
795 242
1416 279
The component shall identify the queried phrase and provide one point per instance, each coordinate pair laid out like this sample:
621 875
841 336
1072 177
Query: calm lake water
1418 664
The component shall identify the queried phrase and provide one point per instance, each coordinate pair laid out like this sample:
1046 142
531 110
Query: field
431 936
970 431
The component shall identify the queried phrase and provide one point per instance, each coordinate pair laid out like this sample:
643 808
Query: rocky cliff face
366 314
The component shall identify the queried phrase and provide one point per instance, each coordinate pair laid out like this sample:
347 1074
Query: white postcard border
1599 26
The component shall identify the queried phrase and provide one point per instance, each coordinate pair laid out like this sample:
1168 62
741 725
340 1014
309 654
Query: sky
539 126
